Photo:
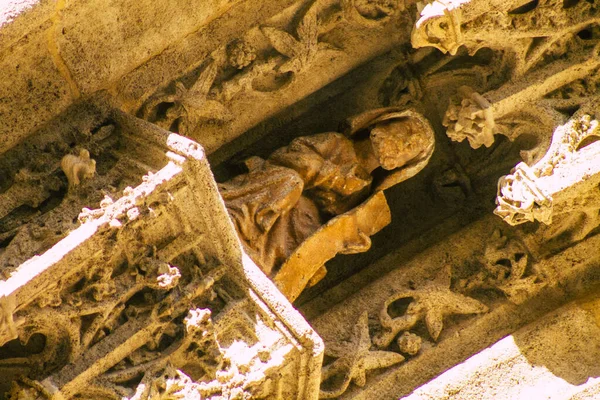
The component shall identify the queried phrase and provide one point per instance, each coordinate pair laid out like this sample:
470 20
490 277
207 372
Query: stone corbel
477 117
564 180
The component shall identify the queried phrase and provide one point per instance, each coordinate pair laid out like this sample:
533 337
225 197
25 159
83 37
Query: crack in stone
54 51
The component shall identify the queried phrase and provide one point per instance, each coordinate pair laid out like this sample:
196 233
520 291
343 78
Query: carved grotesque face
395 143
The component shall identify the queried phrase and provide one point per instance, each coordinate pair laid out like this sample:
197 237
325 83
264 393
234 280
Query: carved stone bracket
564 180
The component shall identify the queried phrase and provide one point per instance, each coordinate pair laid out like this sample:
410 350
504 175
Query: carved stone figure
78 168
285 199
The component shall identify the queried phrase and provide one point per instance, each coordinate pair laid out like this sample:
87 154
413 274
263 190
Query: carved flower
240 54
431 303
375 9
193 104
470 117
302 51
354 359
190 105
169 276
409 343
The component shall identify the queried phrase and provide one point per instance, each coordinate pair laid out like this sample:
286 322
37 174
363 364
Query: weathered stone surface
162 251
150 295
552 358
33 88
118 36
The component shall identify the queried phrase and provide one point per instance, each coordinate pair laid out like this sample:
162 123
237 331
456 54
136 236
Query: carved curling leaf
78 168
354 358
308 28
431 304
507 268
195 103
189 106
370 13
282 41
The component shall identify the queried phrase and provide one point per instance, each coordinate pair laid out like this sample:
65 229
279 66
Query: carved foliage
353 358
527 193
186 107
507 267
431 304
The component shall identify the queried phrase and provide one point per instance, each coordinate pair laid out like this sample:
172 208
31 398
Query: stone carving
532 31
353 358
240 54
549 187
472 120
40 207
279 205
506 267
186 107
146 299
431 304
78 168
29 188
409 343
531 40
299 51
370 12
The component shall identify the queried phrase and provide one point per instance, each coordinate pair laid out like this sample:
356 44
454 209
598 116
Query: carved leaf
328 46
191 103
204 82
180 90
519 267
382 359
434 323
283 42
308 29
293 65
209 109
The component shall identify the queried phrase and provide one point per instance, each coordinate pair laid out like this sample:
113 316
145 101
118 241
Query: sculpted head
397 142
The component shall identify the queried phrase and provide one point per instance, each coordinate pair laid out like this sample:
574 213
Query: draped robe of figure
282 200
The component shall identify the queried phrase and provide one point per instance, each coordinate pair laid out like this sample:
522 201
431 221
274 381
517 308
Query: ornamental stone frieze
339 180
